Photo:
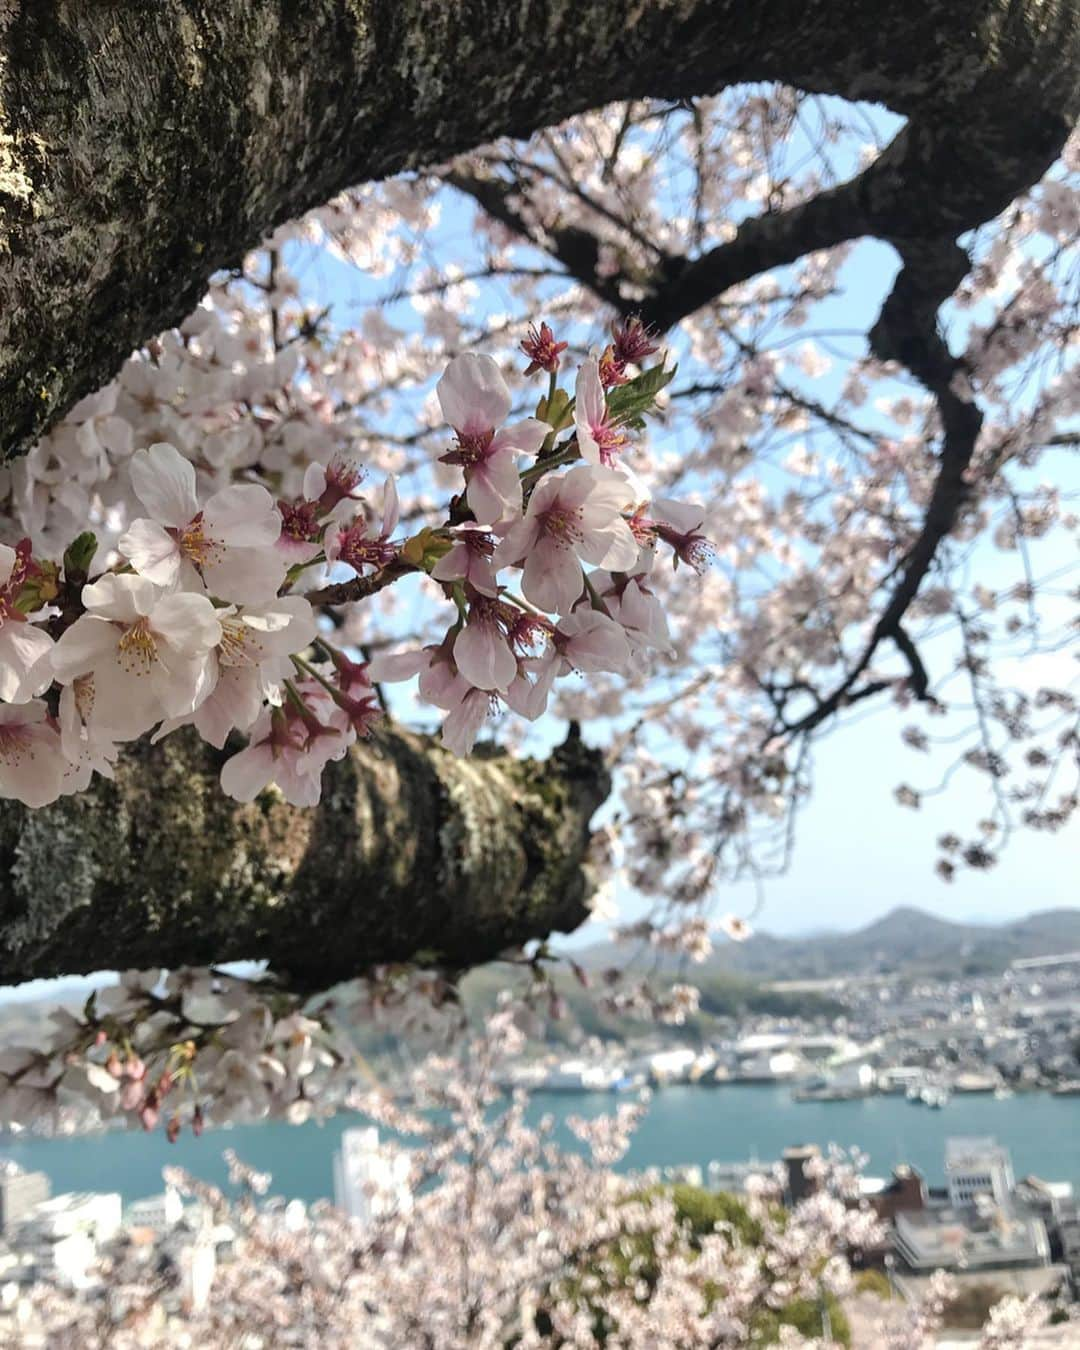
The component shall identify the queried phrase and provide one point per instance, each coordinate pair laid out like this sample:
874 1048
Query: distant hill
906 939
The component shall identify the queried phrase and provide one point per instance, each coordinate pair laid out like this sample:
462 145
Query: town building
975 1238
20 1192
369 1184
978 1167
160 1213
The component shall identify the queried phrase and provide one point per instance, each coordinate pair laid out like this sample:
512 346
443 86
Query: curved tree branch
412 854
142 147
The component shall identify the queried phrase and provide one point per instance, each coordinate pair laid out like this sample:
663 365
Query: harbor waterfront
684 1125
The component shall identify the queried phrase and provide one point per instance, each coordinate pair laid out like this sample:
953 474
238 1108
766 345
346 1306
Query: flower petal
152 552
246 576
473 394
81 647
25 669
243 515
164 481
552 579
528 436
483 655
494 489
187 623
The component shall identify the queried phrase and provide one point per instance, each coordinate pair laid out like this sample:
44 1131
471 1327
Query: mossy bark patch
411 850
144 146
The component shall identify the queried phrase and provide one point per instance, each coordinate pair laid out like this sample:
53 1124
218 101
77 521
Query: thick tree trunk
143 146
412 854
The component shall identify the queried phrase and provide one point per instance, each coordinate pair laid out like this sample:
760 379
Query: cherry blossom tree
608 463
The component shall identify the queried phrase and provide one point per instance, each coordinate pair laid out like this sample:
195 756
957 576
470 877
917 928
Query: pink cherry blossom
225 545
32 761
464 721
440 682
598 438
588 640
571 518
149 652
542 350
22 644
290 748
358 546
469 559
481 651
679 524
475 401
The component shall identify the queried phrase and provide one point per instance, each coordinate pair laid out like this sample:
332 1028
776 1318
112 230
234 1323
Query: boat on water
972 1083
934 1096
1070 1088
582 1075
826 1093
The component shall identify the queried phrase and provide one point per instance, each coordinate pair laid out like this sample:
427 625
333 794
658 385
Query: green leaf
630 402
79 556
555 411
426 548
40 588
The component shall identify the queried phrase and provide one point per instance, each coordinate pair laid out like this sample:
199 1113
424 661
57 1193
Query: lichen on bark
411 852
142 147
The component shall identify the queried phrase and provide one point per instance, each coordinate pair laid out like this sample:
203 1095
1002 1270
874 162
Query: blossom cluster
181 1050
204 613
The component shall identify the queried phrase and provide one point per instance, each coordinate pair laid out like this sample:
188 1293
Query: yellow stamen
137 648
238 646
195 545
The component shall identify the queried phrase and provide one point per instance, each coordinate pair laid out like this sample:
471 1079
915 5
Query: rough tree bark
144 146
412 852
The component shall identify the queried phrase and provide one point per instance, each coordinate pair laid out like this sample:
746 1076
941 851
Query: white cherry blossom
249 664
225 545
32 761
476 401
149 652
571 518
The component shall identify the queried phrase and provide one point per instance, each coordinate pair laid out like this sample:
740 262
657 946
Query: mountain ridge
905 939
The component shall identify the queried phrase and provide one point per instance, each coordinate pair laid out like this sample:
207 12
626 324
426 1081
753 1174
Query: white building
97 1214
672 1066
949 1239
767 1066
978 1167
368 1183
60 1239
853 1076
161 1213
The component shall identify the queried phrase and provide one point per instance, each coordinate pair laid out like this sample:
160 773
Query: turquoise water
683 1125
